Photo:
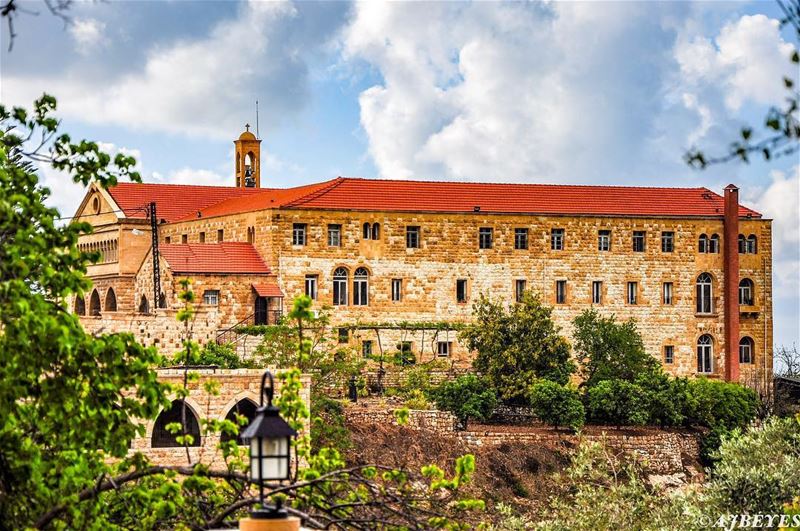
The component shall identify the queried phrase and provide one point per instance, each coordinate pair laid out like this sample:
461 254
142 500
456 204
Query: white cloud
88 34
203 87
781 202
747 60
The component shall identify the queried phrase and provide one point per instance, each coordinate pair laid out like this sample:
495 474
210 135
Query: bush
467 397
757 471
556 404
713 403
665 398
415 399
223 356
328 429
617 402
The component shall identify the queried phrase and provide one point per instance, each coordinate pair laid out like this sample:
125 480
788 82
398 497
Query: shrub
415 399
328 428
617 402
223 356
556 404
467 397
665 397
713 404
757 471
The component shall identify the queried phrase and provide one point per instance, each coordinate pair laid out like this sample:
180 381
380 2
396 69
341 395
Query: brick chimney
731 281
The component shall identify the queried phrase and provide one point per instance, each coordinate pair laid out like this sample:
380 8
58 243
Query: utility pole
156 268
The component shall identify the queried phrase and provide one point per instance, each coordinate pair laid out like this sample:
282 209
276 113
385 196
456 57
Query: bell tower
248 160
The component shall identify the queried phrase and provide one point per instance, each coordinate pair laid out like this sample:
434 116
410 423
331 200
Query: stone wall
661 451
234 385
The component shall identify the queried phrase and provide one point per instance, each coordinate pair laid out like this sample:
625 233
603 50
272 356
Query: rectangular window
667 242
184 238
366 349
633 292
220 235
406 355
311 286
397 289
211 297
444 348
597 292
202 237
666 290
412 237
604 240
520 238
485 237
461 290
561 291
167 240
638 241
299 234
669 354
519 289
557 239
344 335
334 235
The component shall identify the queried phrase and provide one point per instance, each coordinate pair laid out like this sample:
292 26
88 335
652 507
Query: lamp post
269 436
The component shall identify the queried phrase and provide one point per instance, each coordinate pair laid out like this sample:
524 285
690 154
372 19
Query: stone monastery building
692 267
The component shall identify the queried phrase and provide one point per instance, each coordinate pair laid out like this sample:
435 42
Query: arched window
702 244
80 306
746 292
111 301
752 244
361 287
747 349
94 304
713 244
340 286
376 231
144 305
705 354
163 438
245 408
705 303
367 231
742 244
162 300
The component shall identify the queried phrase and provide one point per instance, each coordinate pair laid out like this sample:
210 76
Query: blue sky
608 93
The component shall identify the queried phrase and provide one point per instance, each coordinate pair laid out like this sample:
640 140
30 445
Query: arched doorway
111 301
246 408
94 304
163 438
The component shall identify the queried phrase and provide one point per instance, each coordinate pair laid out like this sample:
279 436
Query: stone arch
162 438
111 301
245 407
144 305
94 304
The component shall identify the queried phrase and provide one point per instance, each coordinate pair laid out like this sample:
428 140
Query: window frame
704 294
640 237
339 285
557 239
604 240
521 238
747 292
299 234
366 348
312 282
448 349
334 235
520 293
632 293
459 283
597 292
485 237
705 353
747 346
361 287
397 289
561 292
667 241
669 354
412 237
668 293
211 295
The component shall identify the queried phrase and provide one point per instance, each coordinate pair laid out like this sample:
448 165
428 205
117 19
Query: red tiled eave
268 289
213 258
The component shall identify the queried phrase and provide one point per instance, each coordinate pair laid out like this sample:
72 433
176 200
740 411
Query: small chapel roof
213 258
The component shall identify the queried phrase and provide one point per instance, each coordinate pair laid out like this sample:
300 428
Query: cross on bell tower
248 160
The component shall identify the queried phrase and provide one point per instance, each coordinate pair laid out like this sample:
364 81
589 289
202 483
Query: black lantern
270 440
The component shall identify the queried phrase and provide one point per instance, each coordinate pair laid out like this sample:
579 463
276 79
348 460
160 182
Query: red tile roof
181 202
173 201
225 257
268 289
433 196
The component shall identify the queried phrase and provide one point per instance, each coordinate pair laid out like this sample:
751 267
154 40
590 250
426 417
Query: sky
548 92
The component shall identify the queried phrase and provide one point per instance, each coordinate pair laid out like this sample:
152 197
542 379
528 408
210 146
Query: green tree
617 402
556 404
608 350
467 397
517 345
69 400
